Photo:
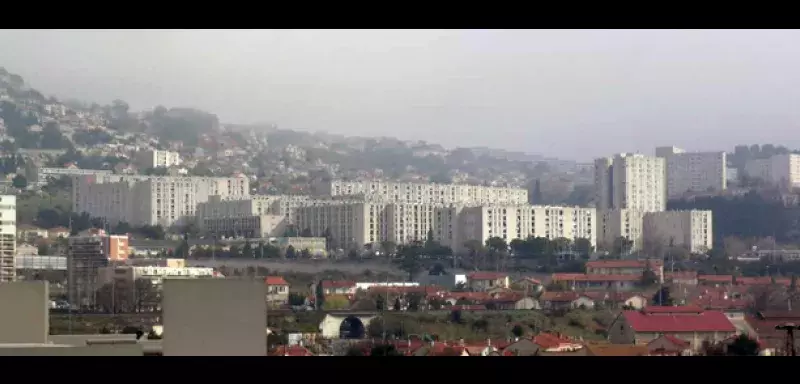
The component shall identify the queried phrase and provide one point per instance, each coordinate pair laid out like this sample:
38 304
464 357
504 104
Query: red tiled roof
549 340
292 350
486 276
715 278
676 341
530 280
474 296
657 309
422 289
623 263
762 280
338 284
593 277
275 280
708 321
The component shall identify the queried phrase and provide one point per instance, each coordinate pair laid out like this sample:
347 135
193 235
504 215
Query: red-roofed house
763 324
582 281
689 323
668 345
684 277
625 267
561 301
484 281
549 342
277 290
338 287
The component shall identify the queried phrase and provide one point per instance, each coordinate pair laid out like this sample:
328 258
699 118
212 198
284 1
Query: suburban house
580 281
681 278
549 342
669 345
689 323
339 287
628 300
484 281
625 267
277 289
57 232
528 285
291 350
566 300
27 232
763 324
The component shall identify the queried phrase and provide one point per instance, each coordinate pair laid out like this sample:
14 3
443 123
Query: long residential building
41 175
150 200
689 229
693 171
157 159
356 224
429 193
8 237
254 205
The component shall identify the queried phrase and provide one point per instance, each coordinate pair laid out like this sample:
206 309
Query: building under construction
87 253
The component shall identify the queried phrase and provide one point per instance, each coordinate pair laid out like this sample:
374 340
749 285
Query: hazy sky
570 94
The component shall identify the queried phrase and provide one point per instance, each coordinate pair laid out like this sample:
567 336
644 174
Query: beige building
155 159
429 193
257 226
690 229
252 205
693 171
8 237
522 221
630 181
783 170
145 200
626 223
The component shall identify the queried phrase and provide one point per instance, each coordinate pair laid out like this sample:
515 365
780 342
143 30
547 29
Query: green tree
662 297
410 259
19 181
743 346
583 246
319 295
380 303
518 331
336 302
247 251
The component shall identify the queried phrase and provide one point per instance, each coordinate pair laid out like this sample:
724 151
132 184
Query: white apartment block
253 205
630 181
782 170
150 200
690 229
8 237
429 193
41 175
511 222
626 223
693 171
156 158
256 226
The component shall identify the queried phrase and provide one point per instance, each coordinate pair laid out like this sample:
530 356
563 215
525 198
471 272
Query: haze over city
570 94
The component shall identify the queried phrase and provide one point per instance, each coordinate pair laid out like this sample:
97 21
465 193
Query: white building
256 226
625 223
253 205
8 237
150 200
155 159
693 171
42 175
782 170
690 229
630 181
359 223
429 193
511 222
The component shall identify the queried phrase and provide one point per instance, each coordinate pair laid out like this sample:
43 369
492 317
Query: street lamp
789 328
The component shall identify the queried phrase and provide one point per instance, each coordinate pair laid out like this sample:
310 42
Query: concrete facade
214 317
331 324
25 315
